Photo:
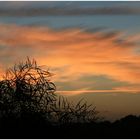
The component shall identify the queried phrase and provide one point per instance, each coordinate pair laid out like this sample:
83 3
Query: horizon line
67 92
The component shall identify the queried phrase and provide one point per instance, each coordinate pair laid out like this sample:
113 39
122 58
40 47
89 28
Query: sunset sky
93 48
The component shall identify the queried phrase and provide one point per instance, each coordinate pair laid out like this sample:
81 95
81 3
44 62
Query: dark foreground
128 127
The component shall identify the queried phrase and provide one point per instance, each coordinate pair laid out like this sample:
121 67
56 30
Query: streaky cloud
68 11
74 53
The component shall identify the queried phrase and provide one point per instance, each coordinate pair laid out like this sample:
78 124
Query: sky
93 48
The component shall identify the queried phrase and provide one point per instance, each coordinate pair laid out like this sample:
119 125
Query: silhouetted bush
26 89
66 112
26 93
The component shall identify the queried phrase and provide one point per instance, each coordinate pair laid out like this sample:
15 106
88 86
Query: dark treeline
29 108
35 127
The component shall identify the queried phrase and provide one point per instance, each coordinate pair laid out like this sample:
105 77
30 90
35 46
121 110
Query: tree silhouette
26 92
26 88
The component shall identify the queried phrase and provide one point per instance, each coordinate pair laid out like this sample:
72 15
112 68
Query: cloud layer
74 53
68 11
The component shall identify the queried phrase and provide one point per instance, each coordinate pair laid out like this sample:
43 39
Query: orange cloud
74 53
